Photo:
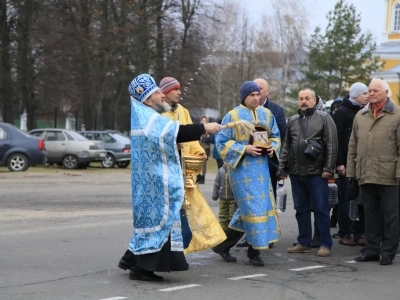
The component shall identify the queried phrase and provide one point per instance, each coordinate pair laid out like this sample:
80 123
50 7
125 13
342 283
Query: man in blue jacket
279 113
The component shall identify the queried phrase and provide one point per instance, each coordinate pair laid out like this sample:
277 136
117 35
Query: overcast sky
372 13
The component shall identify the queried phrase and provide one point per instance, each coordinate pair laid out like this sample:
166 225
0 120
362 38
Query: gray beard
161 108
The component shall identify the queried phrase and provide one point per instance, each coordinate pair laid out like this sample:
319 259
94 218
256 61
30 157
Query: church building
389 50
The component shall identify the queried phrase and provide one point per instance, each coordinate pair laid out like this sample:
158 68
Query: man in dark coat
343 119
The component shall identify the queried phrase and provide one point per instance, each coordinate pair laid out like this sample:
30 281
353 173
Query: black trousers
381 209
274 180
233 237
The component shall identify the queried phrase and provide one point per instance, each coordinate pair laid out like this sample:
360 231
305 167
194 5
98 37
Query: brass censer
192 166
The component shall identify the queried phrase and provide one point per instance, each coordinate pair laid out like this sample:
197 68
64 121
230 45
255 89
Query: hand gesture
212 127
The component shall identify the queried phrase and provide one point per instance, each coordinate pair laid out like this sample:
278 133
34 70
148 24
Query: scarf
377 108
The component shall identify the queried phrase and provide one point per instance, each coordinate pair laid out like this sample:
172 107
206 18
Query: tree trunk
6 90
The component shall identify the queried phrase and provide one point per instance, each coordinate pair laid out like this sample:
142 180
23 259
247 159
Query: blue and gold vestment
249 177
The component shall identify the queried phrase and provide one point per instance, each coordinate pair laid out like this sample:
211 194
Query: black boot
127 261
254 257
141 274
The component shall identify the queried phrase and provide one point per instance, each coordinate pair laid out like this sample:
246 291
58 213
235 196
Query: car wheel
17 162
70 161
123 164
108 162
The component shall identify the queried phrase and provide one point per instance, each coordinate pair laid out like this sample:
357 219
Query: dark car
117 145
19 150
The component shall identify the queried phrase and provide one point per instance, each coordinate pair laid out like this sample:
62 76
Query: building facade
389 49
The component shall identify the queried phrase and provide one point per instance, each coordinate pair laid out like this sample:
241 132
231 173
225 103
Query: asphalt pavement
62 234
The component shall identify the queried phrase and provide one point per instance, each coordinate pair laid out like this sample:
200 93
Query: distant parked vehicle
70 149
117 145
19 150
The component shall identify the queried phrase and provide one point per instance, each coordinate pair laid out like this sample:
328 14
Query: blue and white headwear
142 87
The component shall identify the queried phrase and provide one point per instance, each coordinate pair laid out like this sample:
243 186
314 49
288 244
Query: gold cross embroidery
246 181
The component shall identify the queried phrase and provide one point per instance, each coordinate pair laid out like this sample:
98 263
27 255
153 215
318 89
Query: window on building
396 17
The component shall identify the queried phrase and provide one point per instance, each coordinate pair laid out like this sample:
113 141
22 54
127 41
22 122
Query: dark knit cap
247 88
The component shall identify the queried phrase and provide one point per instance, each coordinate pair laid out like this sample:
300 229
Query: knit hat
142 87
247 88
168 84
356 89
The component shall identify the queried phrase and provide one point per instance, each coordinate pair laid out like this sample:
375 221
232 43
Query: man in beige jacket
373 159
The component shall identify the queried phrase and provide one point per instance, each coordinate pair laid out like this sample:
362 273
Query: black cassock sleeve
190 132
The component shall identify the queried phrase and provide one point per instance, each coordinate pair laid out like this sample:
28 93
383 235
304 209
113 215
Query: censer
192 166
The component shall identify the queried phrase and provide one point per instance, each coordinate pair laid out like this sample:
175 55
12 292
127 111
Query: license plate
102 155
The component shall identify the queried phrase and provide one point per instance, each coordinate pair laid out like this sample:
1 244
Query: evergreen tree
342 55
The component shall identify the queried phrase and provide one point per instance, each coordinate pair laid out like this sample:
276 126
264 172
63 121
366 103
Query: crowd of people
357 143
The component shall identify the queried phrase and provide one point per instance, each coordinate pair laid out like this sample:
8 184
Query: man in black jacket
343 119
309 156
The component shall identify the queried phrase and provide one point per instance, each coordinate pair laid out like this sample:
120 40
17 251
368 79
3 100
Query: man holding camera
309 156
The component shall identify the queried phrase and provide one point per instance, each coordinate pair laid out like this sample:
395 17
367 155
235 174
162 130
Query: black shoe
386 261
271 245
256 261
336 236
124 265
127 261
316 240
242 244
227 257
365 258
140 274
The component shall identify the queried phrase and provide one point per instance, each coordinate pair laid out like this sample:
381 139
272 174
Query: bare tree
280 47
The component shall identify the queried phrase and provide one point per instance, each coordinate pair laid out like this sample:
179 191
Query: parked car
19 150
68 148
117 145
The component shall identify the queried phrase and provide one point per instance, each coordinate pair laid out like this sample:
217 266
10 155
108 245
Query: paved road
62 234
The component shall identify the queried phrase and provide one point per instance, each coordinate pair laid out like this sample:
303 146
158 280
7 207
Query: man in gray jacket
309 155
374 160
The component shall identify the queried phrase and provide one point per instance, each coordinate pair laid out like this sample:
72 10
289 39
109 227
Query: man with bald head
309 156
374 160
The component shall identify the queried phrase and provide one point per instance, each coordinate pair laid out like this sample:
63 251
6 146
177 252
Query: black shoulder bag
314 148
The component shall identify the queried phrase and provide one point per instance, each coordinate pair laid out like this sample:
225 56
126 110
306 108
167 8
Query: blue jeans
311 188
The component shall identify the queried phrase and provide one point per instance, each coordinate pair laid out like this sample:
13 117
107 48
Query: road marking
115 298
307 268
247 276
351 262
181 287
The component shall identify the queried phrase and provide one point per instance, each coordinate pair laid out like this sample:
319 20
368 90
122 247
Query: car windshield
77 136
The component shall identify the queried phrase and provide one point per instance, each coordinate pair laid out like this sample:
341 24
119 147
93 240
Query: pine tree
342 55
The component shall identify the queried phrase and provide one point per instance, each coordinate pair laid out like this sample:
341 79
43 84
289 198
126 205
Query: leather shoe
227 257
242 244
144 275
256 261
386 261
365 258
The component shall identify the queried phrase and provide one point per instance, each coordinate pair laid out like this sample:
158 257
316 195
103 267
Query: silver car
68 148
117 145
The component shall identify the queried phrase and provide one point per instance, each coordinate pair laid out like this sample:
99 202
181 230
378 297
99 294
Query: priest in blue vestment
247 161
157 183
